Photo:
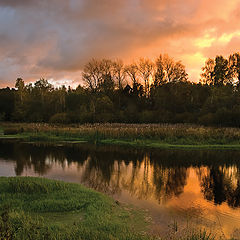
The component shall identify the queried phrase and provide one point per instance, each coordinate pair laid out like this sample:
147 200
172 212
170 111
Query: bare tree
119 73
92 75
168 66
179 73
145 67
105 67
132 72
167 70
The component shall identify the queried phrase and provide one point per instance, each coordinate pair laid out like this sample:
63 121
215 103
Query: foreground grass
36 208
143 135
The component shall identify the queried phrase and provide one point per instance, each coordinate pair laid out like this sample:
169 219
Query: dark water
193 188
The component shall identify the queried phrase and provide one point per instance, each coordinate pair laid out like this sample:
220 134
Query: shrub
146 116
12 131
2 116
207 119
59 118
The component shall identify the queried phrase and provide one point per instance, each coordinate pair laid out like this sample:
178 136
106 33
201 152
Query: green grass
38 208
163 145
48 209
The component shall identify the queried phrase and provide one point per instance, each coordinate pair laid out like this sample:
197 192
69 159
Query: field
148 135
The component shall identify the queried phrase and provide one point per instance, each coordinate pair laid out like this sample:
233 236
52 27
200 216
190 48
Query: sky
53 39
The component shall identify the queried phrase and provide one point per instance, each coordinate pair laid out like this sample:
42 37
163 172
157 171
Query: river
187 188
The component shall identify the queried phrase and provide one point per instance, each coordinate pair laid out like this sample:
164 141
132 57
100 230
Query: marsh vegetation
152 135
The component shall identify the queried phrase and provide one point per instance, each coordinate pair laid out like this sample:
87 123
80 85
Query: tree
132 72
7 102
234 66
106 83
145 67
20 95
97 75
106 96
208 72
180 74
92 75
167 70
159 75
119 73
20 85
216 72
221 71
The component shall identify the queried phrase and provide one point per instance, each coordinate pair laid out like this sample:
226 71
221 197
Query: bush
185 117
207 119
12 131
2 116
147 117
104 117
59 118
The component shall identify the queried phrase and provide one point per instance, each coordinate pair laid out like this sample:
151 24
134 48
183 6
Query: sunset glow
55 39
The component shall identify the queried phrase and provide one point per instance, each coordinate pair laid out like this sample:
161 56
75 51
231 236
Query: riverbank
137 135
37 208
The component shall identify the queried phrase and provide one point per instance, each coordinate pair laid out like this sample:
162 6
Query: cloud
53 39
16 3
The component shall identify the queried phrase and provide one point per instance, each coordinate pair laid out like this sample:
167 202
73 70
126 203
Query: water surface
191 187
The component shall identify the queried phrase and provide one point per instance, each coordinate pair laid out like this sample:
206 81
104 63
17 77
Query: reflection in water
136 171
221 184
188 180
158 174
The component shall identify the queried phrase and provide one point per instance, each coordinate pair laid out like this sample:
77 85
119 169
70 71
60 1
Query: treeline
143 92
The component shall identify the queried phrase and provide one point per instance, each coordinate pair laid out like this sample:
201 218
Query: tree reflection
221 184
145 174
169 181
214 187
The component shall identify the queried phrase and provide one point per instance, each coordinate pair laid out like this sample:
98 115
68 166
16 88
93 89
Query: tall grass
166 133
201 235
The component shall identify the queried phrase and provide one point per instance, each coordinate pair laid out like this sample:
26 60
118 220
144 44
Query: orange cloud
53 39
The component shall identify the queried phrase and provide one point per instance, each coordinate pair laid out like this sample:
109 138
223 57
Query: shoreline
41 208
162 136
37 206
129 143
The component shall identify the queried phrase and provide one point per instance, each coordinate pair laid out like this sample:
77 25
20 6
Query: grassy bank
37 208
144 135
34 208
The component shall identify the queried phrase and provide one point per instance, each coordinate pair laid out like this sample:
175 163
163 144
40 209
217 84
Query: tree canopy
144 91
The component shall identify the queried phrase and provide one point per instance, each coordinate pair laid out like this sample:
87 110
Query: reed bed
168 133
